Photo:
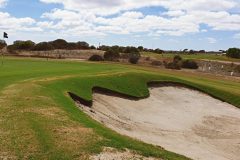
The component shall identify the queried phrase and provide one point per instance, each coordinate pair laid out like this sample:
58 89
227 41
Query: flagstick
2 53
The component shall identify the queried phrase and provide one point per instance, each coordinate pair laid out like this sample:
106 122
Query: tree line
46 46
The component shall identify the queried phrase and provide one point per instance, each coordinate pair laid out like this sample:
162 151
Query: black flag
5 35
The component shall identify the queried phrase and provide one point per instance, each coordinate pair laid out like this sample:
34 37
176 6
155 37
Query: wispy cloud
211 40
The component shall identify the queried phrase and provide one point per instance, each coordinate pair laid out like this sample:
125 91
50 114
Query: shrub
237 69
147 58
134 59
95 57
177 59
189 64
173 65
233 52
156 63
111 55
43 46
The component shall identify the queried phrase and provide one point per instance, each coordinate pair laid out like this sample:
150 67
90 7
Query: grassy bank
192 56
38 119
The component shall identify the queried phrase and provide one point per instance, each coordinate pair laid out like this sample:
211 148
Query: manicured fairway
38 119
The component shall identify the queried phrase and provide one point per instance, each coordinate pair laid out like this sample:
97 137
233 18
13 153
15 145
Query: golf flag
5 35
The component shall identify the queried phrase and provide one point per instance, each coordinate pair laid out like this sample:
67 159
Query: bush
189 64
177 59
156 63
111 55
95 57
43 46
134 59
237 69
173 65
233 52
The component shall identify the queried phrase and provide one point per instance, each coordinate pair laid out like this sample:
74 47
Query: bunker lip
151 84
175 117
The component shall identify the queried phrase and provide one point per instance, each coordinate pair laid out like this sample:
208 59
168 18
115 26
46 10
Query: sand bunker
180 120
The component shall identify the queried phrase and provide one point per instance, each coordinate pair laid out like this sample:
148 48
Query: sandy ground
180 120
113 154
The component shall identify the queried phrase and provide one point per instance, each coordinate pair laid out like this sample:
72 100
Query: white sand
180 120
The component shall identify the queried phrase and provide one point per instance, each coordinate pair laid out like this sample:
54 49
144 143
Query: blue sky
172 24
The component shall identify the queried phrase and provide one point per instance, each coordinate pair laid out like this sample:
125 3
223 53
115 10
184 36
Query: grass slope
192 56
38 119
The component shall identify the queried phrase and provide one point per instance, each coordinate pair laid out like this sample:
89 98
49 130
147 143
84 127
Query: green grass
38 119
193 56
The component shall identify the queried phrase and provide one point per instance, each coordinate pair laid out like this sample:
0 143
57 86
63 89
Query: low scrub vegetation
179 63
96 57
111 55
190 64
156 63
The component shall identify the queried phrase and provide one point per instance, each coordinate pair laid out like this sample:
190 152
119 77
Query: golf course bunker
179 119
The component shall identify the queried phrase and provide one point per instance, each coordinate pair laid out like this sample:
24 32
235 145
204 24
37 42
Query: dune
178 119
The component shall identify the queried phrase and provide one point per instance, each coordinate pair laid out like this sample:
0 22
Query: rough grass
192 56
38 120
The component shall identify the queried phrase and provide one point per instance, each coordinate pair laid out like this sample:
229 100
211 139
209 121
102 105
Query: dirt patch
113 154
181 120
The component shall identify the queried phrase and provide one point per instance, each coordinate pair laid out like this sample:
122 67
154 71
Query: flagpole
5 35
2 53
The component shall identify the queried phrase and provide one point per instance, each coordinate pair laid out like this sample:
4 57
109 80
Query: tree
130 49
59 44
191 52
43 46
92 47
233 52
82 45
158 51
202 51
23 45
140 48
72 46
